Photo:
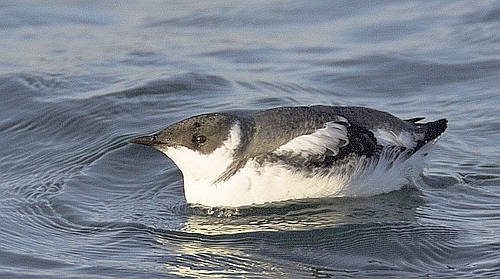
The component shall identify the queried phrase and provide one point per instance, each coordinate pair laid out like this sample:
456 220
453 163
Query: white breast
257 184
200 170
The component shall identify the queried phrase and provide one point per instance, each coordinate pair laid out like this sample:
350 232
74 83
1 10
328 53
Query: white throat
201 170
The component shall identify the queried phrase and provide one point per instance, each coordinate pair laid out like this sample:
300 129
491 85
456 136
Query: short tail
431 131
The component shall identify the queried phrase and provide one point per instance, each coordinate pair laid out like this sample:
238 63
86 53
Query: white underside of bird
260 182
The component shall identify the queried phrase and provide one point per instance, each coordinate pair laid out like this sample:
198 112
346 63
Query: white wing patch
330 138
388 137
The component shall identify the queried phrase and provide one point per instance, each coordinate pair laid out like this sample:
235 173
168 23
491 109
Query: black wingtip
431 131
434 129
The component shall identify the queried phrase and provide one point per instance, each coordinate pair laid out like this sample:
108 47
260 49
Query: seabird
243 158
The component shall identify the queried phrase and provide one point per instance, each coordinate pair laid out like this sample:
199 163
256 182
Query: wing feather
327 140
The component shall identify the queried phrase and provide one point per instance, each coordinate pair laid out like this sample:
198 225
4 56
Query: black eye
199 139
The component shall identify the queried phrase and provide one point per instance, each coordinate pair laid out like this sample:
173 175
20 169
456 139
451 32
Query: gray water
79 79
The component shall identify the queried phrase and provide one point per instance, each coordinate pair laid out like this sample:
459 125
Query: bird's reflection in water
218 242
397 206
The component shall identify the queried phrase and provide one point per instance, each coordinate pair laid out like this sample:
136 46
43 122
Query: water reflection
300 237
398 206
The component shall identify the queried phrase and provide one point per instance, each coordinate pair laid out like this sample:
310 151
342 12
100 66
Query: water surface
79 79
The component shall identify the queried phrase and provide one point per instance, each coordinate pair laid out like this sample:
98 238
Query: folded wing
333 142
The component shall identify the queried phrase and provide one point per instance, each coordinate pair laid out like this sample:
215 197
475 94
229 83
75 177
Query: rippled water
79 79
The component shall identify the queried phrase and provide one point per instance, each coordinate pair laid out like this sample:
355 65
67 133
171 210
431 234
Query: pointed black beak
147 140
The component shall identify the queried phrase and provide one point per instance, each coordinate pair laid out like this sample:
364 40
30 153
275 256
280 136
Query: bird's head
201 146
